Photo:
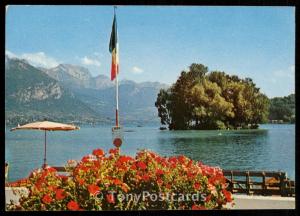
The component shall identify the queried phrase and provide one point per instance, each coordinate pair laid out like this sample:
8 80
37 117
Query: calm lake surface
272 147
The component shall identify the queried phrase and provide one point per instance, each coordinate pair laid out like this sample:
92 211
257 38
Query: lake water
272 147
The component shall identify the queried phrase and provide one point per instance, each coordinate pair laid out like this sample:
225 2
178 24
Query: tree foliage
211 100
283 108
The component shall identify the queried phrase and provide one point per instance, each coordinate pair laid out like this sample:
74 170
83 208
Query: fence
259 183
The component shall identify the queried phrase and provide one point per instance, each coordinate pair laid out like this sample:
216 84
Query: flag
114 50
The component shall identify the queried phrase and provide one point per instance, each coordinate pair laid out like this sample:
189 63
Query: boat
162 128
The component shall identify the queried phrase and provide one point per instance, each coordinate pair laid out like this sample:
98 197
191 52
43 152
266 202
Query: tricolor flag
114 50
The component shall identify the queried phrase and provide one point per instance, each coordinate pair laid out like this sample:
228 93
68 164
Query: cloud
39 59
10 54
89 61
292 68
137 70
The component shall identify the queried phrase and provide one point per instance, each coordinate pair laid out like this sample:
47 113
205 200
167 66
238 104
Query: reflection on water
230 150
269 148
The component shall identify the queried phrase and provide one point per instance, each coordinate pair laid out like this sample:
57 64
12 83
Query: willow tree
215 100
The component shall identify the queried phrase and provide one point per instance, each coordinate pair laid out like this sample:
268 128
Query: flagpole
117 85
117 101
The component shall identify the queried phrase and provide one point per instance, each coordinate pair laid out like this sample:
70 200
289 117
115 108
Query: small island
213 100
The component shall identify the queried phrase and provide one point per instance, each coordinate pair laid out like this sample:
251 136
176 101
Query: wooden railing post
231 183
248 182
282 184
264 187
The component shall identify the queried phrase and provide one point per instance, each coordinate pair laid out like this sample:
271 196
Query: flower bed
120 182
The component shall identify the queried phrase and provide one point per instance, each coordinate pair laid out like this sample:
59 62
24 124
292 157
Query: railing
60 169
259 183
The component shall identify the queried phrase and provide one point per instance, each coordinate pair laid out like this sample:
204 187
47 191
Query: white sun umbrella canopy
46 126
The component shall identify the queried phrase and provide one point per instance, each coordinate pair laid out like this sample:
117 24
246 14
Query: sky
156 43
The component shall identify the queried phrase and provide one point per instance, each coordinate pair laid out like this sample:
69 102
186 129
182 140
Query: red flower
117 181
63 177
83 168
44 174
98 152
197 207
113 151
80 180
133 167
47 199
190 163
164 163
173 165
190 175
158 159
124 159
208 198
110 198
227 195
145 177
197 185
38 185
124 188
172 159
52 187
97 164
142 165
73 206
159 181
181 159
137 177
93 189
85 159
51 169
60 194
121 166
152 154
159 172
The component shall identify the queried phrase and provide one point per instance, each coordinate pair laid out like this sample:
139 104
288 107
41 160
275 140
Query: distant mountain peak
126 81
102 76
30 93
74 70
16 62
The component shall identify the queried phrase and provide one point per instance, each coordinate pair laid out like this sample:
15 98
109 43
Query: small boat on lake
162 128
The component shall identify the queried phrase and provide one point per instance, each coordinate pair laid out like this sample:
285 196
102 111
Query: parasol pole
45 153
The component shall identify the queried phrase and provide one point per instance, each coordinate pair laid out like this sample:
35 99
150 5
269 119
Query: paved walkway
262 202
13 194
241 201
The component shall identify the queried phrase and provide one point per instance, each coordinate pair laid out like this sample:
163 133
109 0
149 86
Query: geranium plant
118 182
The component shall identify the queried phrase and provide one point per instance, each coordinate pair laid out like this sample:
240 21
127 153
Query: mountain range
70 93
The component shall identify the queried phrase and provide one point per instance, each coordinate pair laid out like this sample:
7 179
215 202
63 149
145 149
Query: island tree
211 100
283 108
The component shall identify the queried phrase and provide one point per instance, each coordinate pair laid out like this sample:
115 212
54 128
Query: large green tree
215 100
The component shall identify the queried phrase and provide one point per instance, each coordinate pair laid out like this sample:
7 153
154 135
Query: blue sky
158 42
